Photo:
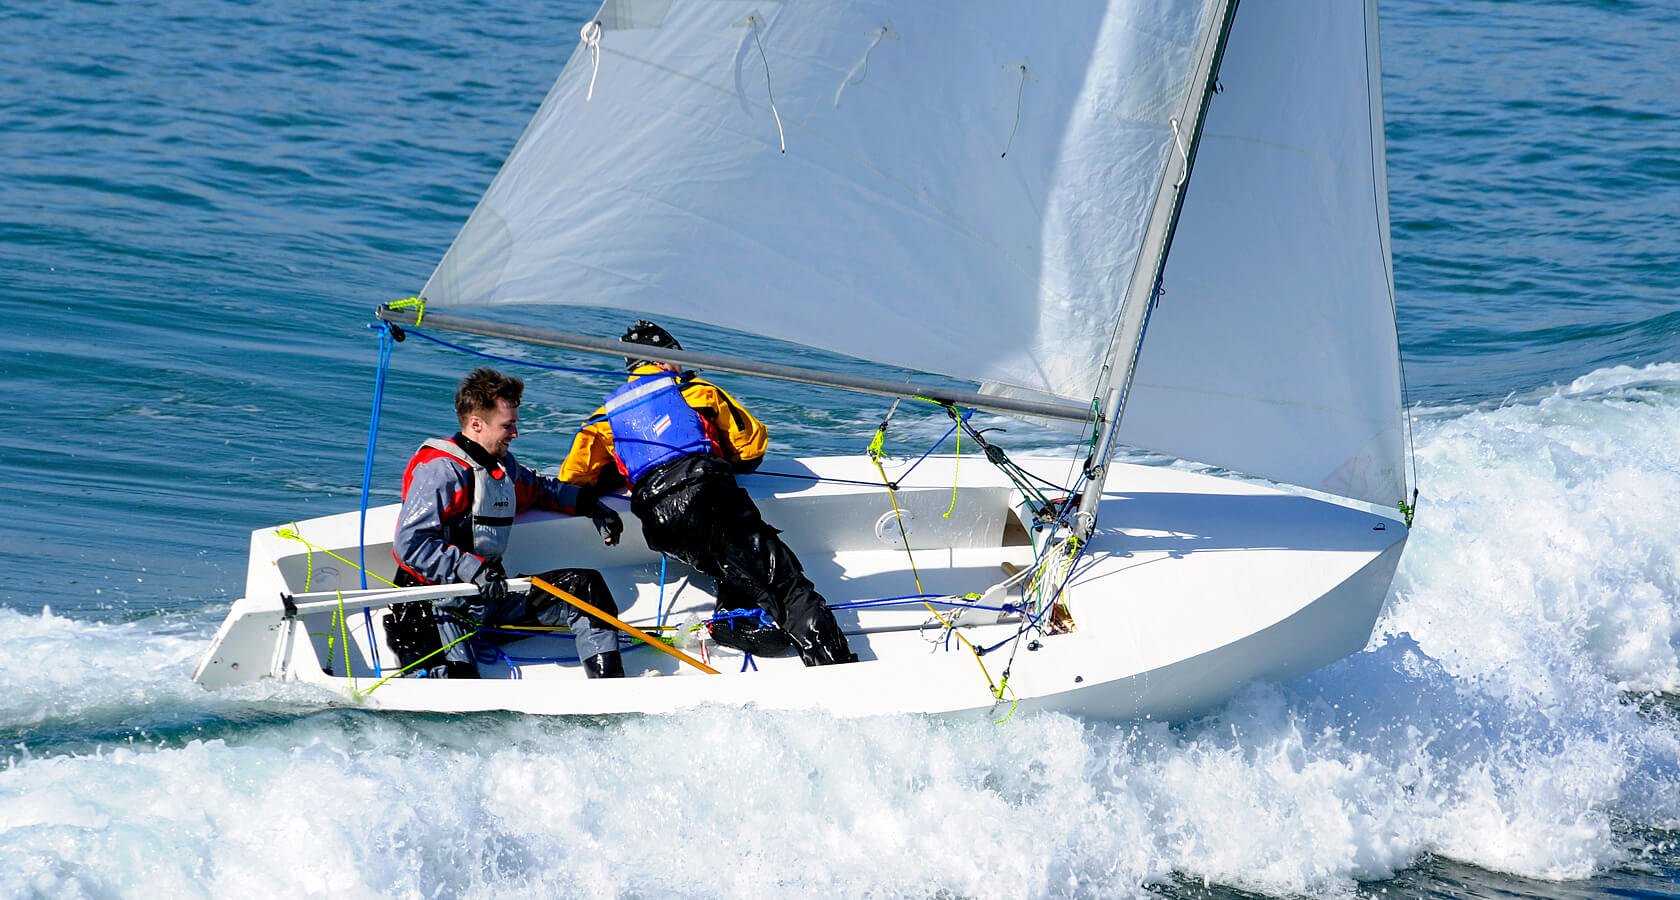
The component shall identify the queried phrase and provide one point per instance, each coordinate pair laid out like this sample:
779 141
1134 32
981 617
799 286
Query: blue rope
367 619
764 620
487 653
490 653
935 446
616 374
747 660
1073 571
907 599
506 359
660 621
385 344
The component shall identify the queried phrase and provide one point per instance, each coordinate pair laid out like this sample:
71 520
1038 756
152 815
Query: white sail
1273 350
964 190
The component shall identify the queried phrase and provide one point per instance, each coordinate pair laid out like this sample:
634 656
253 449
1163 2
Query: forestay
964 188
1273 349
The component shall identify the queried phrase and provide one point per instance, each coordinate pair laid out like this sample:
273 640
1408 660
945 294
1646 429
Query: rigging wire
950 625
1407 510
508 359
1021 478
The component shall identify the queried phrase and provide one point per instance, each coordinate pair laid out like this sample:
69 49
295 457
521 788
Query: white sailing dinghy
1163 222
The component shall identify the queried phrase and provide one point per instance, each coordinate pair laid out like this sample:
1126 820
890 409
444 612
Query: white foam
1496 719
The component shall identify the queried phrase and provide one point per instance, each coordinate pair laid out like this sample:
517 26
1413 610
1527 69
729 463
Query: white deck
1191 586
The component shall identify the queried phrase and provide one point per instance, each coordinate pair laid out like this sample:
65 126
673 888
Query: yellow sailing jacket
737 436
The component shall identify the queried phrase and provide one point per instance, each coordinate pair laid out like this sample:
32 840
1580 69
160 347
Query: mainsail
964 189
972 189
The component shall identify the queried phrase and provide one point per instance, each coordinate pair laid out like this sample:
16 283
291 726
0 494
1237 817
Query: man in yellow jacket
678 441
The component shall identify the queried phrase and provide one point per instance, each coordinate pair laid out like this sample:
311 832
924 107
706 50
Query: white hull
1191 586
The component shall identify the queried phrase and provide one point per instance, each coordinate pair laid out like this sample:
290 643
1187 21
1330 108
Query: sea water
202 202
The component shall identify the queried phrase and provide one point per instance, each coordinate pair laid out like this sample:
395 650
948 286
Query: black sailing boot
604 665
454 669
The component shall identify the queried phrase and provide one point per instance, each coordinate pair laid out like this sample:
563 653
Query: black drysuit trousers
692 509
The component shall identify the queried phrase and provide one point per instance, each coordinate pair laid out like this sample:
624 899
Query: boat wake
1515 713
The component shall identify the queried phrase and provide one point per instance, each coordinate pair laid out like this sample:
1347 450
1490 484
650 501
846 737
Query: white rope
941 625
591 34
755 22
863 64
1184 172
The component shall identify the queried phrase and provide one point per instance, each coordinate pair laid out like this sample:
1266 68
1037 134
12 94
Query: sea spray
1503 716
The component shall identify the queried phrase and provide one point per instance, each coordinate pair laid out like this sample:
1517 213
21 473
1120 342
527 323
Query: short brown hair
480 390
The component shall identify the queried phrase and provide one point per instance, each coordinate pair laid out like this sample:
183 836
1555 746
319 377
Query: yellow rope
1014 701
344 633
291 534
877 443
308 559
899 514
339 619
956 475
892 494
417 662
416 303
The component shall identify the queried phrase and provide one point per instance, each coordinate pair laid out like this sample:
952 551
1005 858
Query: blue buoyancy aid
652 424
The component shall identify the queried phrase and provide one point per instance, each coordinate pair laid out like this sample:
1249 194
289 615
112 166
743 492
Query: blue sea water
201 203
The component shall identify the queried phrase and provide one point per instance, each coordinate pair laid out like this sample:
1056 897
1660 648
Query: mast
1146 281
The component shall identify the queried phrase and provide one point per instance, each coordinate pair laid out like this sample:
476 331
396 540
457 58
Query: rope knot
418 304
591 34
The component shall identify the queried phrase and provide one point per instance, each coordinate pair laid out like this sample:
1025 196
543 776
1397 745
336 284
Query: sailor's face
494 429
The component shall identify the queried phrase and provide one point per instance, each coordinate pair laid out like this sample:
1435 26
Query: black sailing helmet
648 335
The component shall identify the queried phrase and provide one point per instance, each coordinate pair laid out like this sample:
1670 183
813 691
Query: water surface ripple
203 201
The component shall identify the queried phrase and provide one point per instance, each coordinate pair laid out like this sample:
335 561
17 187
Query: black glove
491 581
608 523
606 520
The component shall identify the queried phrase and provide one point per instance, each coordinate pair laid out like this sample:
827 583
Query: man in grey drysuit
460 496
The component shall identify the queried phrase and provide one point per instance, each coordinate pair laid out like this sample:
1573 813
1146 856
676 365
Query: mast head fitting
648 335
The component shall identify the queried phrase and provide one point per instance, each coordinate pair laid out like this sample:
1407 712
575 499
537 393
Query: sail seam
1287 404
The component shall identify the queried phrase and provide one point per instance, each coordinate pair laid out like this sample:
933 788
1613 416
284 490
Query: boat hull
1190 587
